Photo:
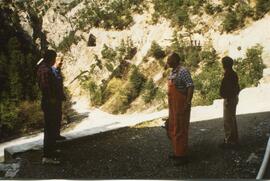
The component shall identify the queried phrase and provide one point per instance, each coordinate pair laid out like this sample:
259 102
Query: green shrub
67 41
73 4
192 57
208 56
66 7
182 17
235 19
176 11
262 7
156 51
136 80
98 62
126 50
19 117
129 92
179 11
178 45
122 101
113 87
9 120
108 53
109 66
161 96
243 11
207 83
250 69
109 15
30 115
230 21
229 2
95 91
149 91
211 9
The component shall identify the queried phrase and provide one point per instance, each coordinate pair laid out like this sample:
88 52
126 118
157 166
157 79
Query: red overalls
178 120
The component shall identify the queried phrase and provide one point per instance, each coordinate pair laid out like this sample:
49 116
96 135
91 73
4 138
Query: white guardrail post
265 161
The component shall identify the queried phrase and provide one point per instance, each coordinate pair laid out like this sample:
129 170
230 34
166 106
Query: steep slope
82 61
235 45
81 57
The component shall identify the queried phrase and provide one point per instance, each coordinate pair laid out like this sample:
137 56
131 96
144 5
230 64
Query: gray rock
253 158
10 169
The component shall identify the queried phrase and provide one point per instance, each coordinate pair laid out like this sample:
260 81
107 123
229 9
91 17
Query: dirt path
141 153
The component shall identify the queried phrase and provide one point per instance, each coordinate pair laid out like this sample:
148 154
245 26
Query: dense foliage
95 91
262 7
130 91
207 82
108 14
150 91
178 11
18 90
115 60
156 51
250 68
206 69
124 93
234 13
67 41
236 17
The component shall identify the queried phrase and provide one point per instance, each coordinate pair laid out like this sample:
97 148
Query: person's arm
190 91
237 84
186 77
221 89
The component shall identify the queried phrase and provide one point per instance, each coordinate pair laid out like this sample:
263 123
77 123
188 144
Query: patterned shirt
181 79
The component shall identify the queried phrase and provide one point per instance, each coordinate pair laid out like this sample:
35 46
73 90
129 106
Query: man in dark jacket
46 82
229 91
60 96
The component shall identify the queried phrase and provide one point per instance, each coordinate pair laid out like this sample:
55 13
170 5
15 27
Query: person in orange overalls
180 93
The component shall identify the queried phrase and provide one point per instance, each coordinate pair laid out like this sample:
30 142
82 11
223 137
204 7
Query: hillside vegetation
114 79
116 93
19 109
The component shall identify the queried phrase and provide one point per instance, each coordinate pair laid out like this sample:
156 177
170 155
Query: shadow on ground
141 153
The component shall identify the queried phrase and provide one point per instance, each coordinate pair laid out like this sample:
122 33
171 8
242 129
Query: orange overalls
178 120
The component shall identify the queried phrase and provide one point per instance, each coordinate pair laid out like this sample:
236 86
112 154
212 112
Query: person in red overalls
180 93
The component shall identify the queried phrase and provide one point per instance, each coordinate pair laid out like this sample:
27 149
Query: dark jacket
229 86
58 78
46 81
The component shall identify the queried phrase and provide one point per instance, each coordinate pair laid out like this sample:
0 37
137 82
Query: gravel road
141 152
